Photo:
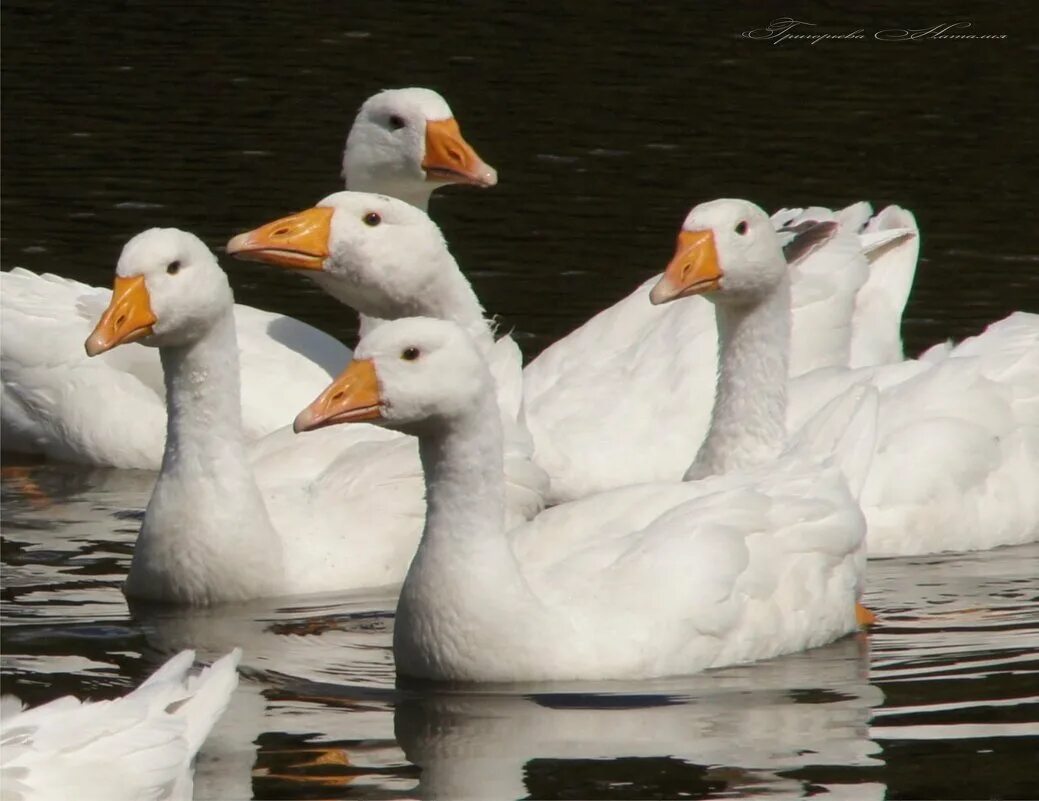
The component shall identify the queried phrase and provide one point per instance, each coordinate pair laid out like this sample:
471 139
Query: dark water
605 128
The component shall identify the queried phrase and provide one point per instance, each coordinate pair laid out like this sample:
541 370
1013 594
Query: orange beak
693 270
352 398
298 242
129 317
450 159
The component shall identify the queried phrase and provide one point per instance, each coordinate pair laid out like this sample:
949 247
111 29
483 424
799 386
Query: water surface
946 683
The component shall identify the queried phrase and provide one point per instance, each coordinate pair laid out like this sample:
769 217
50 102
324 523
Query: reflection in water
736 730
947 681
957 660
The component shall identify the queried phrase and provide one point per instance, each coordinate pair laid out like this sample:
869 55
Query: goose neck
748 420
445 295
411 191
203 397
464 586
463 466
206 535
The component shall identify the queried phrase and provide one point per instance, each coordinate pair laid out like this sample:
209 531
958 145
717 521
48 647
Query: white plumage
111 411
957 458
387 259
957 447
627 396
230 520
139 746
741 567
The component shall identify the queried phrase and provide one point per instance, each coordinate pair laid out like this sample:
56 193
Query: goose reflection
748 729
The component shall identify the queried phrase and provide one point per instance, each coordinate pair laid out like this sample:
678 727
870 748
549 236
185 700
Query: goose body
142 745
52 394
112 410
587 445
957 456
742 567
957 441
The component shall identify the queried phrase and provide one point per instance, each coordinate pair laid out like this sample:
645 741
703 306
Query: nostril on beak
455 155
337 396
281 232
120 319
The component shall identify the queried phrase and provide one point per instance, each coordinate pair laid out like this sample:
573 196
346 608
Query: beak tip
661 292
236 244
93 346
299 425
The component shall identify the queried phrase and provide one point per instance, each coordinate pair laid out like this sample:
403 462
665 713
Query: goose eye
372 218
173 267
741 227
409 354
396 122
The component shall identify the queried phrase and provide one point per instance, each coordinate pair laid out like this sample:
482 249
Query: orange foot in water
21 478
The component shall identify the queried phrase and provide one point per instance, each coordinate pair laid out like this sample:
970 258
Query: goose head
728 251
372 252
168 290
406 142
406 375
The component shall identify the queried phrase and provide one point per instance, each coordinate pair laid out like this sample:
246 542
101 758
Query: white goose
142 745
110 411
957 447
389 260
405 143
217 529
847 295
740 568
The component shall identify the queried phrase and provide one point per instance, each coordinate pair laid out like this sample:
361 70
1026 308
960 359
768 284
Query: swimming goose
387 259
957 446
110 411
846 296
142 745
230 520
645 581
209 534
406 143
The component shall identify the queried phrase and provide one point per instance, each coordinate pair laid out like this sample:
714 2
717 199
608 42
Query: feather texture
139 746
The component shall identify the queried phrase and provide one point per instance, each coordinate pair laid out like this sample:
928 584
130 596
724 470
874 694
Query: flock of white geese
692 478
